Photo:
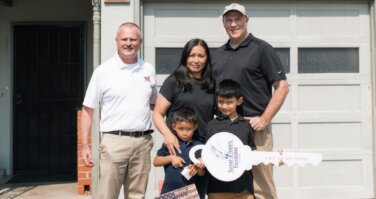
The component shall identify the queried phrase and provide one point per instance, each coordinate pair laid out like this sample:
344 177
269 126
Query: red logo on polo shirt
148 79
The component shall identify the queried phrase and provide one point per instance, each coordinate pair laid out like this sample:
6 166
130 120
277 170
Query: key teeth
275 158
304 163
301 164
315 159
264 162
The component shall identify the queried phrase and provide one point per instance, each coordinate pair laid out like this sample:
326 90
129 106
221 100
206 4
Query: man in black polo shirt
254 64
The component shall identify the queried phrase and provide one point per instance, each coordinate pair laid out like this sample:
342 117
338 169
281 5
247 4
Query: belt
131 134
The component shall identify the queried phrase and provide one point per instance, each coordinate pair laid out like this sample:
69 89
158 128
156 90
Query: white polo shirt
124 93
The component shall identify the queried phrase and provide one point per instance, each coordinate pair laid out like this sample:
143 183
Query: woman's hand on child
171 143
177 161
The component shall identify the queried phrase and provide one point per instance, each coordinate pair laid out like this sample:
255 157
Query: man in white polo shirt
124 87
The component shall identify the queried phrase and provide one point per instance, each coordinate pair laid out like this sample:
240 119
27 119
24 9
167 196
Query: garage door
325 49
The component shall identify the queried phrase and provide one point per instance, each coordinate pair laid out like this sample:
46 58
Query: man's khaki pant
263 182
124 160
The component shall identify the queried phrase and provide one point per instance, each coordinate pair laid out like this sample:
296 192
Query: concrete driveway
44 191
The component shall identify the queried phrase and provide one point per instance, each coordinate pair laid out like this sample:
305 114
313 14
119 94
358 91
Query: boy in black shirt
229 97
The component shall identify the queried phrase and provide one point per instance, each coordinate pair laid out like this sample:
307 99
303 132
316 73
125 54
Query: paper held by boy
226 158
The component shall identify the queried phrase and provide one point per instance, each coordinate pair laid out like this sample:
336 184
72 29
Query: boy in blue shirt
229 97
184 125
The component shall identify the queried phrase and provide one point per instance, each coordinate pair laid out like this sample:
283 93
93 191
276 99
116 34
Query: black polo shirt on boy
241 128
199 100
173 177
254 65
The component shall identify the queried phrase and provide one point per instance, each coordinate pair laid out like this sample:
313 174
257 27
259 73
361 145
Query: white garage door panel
283 177
280 19
340 21
330 135
329 116
282 134
340 177
332 173
310 23
328 113
329 98
168 21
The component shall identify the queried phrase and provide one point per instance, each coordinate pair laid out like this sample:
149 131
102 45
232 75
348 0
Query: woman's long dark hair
181 73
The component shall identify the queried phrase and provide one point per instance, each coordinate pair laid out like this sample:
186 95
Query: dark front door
48 86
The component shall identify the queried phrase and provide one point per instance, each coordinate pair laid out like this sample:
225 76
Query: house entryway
48 87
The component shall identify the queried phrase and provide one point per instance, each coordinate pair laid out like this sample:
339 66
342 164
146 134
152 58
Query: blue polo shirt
173 177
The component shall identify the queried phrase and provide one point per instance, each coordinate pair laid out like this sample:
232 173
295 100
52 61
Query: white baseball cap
235 6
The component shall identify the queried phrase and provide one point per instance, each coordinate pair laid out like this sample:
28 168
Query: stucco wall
112 15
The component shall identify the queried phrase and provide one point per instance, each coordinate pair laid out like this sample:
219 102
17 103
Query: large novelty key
226 158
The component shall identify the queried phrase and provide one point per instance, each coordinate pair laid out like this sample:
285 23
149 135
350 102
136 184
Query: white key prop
226 158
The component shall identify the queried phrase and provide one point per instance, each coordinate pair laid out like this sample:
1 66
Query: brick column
84 177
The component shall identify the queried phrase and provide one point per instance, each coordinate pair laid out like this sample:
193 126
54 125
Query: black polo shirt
255 66
241 128
173 177
199 100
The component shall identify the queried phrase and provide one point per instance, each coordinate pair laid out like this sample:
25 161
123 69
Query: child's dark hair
228 88
185 115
